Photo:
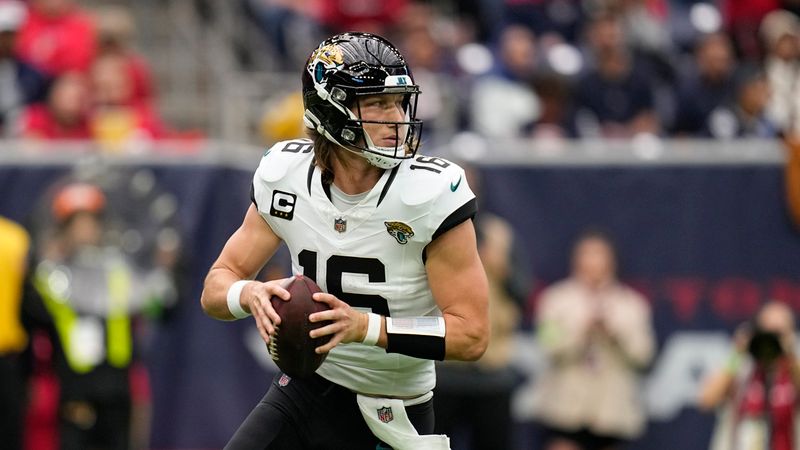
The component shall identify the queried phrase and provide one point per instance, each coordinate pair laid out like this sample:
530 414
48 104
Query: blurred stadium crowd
79 71
71 73
561 69
568 68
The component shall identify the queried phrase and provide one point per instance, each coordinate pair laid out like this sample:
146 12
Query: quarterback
388 236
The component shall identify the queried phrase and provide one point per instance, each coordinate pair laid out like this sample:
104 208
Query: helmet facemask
407 132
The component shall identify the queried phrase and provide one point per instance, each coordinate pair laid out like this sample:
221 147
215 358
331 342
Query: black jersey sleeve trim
310 176
465 212
253 194
388 183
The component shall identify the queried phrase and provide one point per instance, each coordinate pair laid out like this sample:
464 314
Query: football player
387 235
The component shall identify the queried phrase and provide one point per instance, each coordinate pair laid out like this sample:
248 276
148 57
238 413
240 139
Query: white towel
387 419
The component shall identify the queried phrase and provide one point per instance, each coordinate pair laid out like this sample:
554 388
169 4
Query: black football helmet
345 67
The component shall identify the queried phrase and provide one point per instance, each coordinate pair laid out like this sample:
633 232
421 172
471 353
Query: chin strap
380 161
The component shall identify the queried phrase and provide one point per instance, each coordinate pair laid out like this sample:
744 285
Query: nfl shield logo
340 224
385 415
284 380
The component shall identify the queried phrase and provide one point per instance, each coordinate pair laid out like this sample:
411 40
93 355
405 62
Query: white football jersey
371 256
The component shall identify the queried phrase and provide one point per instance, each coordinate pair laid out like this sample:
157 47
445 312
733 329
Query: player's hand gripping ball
292 349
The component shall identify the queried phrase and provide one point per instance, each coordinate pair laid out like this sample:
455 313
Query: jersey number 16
338 265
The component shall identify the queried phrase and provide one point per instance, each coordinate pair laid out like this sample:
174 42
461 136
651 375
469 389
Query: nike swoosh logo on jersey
453 187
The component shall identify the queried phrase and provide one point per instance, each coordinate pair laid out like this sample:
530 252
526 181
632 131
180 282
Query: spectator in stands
118 121
57 37
757 390
14 243
780 32
645 25
707 90
597 336
509 86
556 119
64 116
20 83
476 397
115 32
752 98
614 98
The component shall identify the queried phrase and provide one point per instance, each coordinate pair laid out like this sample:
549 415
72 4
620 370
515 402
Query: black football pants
314 413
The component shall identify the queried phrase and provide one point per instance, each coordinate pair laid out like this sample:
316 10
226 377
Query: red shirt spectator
115 32
40 123
117 118
65 114
57 37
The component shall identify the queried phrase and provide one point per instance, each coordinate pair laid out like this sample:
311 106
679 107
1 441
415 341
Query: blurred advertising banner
705 243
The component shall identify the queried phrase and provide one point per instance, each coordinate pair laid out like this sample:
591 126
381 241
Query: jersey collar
358 214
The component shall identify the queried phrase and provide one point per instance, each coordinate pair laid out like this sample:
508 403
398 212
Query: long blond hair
324 152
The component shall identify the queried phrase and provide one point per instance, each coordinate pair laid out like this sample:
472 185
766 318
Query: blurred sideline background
670 124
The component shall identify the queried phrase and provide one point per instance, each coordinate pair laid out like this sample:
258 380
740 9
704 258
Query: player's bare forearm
459 285
215 289
463 341
246 251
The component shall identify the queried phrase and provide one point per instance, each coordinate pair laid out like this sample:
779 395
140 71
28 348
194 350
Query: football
291 347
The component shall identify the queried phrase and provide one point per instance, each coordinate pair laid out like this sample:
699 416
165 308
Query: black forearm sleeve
423 347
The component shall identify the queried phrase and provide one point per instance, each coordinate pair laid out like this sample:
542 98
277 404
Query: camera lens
765 346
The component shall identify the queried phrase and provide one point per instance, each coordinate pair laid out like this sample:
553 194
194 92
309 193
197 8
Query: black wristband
423 347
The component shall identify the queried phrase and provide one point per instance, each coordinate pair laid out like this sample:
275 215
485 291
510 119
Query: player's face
383 108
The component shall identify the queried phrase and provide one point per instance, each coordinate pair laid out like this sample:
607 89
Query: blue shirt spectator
616 97
709 85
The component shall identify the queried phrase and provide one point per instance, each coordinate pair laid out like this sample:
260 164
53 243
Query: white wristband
234 294
373 330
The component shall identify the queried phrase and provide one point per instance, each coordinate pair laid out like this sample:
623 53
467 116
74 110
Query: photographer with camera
757 390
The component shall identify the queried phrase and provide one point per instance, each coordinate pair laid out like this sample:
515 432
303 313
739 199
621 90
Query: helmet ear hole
338 94
348 135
